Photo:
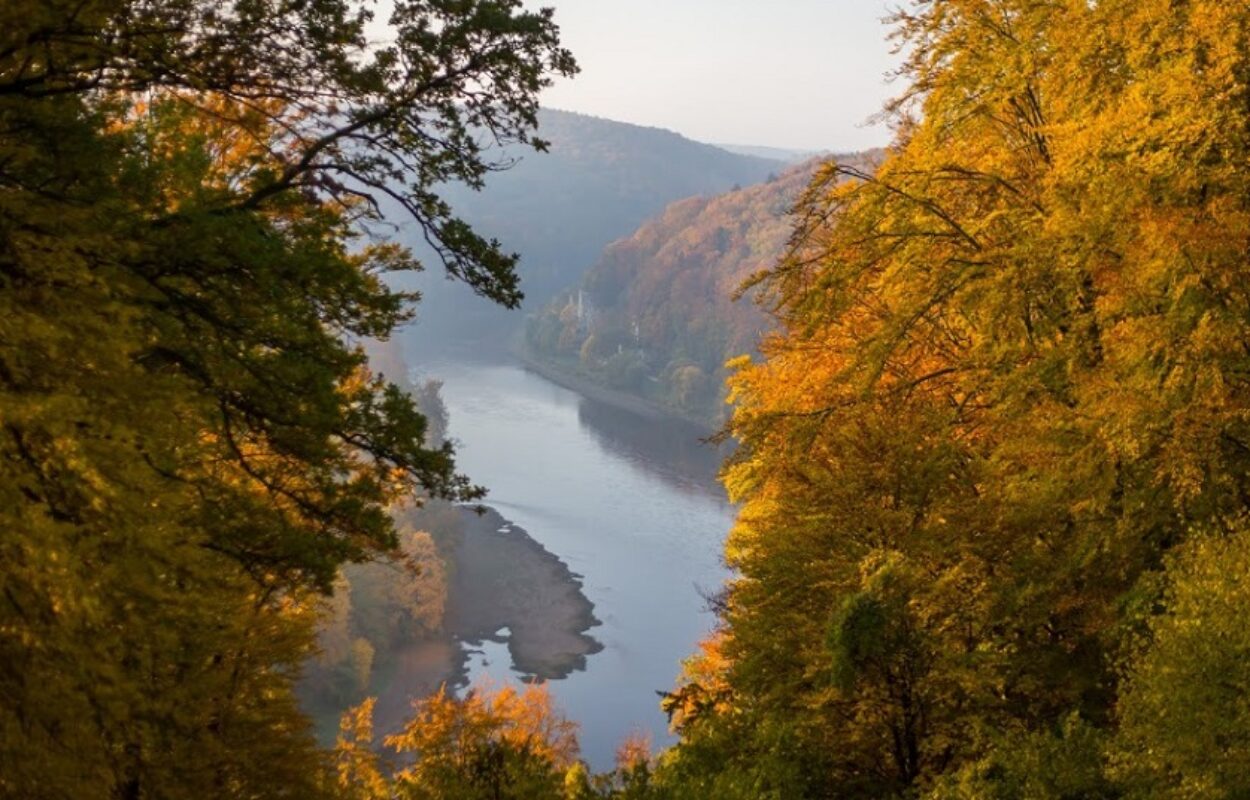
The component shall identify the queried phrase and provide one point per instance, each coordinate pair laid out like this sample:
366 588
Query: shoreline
505 578
501 577
626 401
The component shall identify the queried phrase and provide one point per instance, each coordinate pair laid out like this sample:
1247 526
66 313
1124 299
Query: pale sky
801 74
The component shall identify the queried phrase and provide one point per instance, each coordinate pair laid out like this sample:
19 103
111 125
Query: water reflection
675 449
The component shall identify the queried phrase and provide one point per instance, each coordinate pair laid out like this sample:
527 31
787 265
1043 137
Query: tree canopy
191 237
1011 380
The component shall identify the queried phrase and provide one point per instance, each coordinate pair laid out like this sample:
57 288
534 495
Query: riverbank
502 578
504 587
592 389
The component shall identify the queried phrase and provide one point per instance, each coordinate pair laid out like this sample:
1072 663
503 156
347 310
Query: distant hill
600 180
782 154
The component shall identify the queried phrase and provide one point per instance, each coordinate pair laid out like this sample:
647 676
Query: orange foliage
634 752
703 685
445 728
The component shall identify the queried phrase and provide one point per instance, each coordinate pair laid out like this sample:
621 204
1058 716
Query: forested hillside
599 180
660 312
656 315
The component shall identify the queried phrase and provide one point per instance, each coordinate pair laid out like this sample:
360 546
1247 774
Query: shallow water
629 503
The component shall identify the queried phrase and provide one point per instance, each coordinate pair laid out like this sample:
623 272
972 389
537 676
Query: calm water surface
629 503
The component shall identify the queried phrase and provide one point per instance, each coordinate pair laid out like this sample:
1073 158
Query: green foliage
625 370
857 635
190 448
690 387
1184 722
1066 764
577 783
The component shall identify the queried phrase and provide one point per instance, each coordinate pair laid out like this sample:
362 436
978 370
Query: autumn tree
1009 380
1184 729
190 212
495 743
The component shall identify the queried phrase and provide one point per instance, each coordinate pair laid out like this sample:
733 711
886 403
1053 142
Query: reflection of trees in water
666 446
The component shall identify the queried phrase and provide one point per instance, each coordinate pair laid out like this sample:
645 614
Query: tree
493 744
634 776
358 765
190 194
1184 725
1011 358
1067 762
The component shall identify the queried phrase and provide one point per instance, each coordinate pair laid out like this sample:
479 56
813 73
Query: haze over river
629 503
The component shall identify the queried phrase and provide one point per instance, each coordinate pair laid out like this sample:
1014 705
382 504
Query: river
629 503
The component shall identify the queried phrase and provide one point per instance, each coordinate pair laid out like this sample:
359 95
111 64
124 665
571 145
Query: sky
796 74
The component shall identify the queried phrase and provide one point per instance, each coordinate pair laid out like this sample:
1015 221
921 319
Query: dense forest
993 469
993 463
192 447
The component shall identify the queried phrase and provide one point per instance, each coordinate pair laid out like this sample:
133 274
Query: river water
628 502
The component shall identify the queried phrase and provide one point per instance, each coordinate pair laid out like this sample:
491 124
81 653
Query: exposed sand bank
501 578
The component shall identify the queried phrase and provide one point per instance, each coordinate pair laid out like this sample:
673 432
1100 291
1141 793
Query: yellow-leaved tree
1011 376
